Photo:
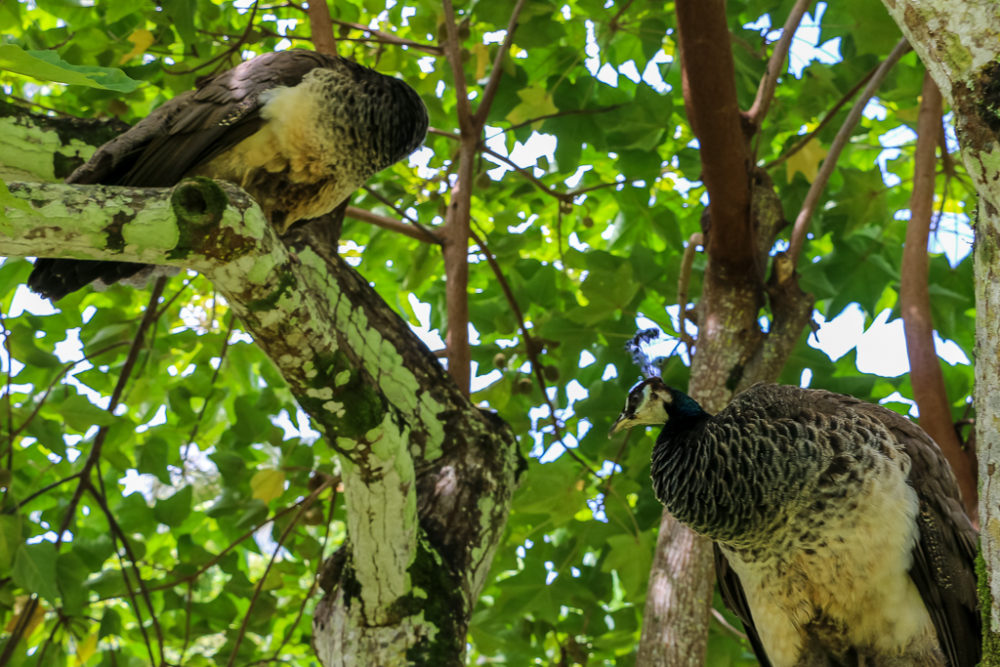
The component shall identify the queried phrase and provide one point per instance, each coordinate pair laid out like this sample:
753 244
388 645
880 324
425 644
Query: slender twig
389 38
769 83
682 287
319 566
7 389
452 49
27 613
827 117
187 622
234 47
211 390
50 639
561 196
613 23
263 577
414 231
219 556
801 225
95 451
55 380
732 629
530 349
483 110
118 534
47 488
429 234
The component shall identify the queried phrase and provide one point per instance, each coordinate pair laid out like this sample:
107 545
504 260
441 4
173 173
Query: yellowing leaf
535 102
37 616
141 40
267 485
482 54
806 161
86 649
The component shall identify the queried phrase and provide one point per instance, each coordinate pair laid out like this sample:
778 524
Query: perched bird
298 130
840 537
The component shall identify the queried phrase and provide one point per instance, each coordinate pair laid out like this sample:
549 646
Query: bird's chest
835 580
303 162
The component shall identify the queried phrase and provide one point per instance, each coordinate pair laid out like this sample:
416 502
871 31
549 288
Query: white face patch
649 404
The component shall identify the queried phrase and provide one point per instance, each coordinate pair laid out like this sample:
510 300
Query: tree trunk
427 476
959 42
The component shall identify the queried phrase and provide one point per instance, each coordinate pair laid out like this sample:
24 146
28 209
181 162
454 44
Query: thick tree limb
915 302
958 42
321 27
765 92
417 456
714 114
682 570
801 226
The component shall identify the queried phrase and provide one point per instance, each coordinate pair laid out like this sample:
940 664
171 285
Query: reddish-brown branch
389 38
765 92
456 268
710 96
394 225
915 303
830 162
455 232
321 27
494 81
453 51
824 121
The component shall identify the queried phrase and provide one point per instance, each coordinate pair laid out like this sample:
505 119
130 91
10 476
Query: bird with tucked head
839 533
298 130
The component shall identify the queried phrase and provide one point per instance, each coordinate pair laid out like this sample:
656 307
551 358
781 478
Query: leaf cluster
208 460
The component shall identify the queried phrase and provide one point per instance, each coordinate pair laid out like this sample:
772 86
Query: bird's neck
701 474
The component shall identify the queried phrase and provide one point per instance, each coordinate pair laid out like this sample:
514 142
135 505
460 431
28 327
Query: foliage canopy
229 501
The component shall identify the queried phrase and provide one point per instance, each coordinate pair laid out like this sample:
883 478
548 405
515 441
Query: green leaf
35 570
153 458
10 541
174 510
111 623
80 414
48 66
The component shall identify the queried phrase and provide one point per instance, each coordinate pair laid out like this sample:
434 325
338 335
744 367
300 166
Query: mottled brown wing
943 567
732 594
195 126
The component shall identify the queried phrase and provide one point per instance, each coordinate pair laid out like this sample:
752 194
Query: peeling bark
428 477
959 42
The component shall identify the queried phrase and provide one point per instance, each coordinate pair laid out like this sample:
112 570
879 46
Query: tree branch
915 302
321 27
483 110
801 226
768 84
389 38
393 225
453 51
379 396
714 115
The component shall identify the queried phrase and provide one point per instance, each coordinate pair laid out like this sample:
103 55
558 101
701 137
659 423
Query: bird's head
651 402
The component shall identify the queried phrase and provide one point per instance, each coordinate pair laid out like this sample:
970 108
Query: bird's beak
621 423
